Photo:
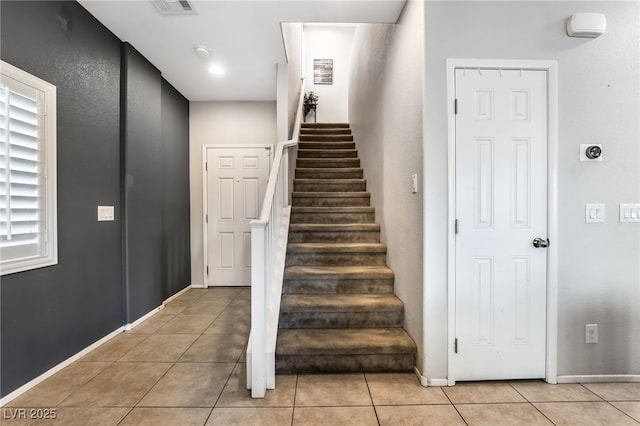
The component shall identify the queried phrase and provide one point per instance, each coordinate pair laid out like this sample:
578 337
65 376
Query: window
28 237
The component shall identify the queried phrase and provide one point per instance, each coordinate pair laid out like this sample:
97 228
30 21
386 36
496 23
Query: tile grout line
375 410
83 384
234 367
295 395
173 364
222 391
603 399
626 414
454 407
590 391
531 403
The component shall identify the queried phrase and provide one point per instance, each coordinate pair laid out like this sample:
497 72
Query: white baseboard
199 286
44 376
423 380
129 326
178 294
22 389
429 382
438 382
600 378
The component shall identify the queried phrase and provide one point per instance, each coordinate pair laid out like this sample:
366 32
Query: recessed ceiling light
216 70
201 51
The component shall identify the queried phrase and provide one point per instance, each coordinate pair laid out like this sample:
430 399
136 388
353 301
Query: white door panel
236 183
501 206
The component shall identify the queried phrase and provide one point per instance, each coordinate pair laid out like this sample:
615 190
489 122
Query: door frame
551 67
205 196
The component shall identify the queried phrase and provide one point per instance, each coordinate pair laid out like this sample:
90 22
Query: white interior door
236 183
501 207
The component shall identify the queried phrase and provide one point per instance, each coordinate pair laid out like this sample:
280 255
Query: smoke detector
201 51
174 7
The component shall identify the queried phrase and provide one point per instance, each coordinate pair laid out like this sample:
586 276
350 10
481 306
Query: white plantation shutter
27 198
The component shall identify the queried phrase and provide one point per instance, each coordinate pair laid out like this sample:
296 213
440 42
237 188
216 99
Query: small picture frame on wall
323 71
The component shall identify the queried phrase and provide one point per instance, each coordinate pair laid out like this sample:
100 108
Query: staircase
338 312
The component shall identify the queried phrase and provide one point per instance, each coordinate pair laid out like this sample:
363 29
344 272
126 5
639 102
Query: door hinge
207 270
455 345
206 218
456 226
455 106
206 167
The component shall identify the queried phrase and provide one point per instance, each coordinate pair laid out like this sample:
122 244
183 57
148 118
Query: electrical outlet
591 333
414 183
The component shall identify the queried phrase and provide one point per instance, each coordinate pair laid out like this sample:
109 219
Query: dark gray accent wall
111 136
49 314
176 244
142 147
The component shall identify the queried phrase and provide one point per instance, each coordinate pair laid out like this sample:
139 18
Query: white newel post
268 251
257 367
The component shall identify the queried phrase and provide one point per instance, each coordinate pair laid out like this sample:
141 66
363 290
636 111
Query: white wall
294 46
329 42
221 123
599 273
385 107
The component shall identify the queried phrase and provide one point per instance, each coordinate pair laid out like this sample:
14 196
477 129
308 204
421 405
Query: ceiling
244 37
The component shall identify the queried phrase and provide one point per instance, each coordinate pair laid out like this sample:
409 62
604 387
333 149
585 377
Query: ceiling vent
174 7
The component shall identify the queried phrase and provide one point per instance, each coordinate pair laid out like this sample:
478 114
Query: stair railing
268 249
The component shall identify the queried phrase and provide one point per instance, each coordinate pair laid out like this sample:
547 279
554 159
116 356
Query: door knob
540 242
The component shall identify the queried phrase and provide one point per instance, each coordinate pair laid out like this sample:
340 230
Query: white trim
129 326
552 223
44 376
423 380
552 208
600 378
451 210
175 296
47 146
426 382
205 199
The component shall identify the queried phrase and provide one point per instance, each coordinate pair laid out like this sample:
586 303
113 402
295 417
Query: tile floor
185 366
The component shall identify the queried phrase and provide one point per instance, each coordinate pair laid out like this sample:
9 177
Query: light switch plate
629 212
594 213
106 213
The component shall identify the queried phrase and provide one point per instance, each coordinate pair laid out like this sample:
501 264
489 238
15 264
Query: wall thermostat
593 152
590 152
